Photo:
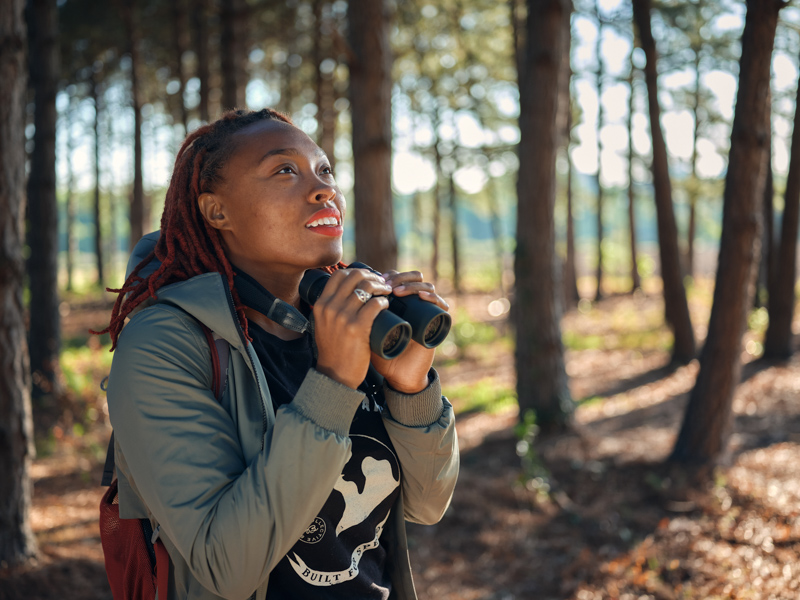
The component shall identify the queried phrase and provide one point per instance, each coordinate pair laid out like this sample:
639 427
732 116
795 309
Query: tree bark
693 182
371 102
200 29
232 53
139 213
766 265
454 241
705 427
636 281
69 201
676 308
436 196
570 275
599 177
497 233
179 47
44 335
17 543
98 230
325 92
778 339
541 374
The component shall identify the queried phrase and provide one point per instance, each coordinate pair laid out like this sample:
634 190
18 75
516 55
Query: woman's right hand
342 324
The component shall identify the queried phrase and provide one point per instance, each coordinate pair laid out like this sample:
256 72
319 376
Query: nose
323 192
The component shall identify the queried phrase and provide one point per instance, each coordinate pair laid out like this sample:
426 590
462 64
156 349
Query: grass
482 396
84 366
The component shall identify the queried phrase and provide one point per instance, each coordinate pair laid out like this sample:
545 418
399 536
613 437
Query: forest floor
613 523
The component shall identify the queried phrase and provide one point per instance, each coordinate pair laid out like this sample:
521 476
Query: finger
413 287
435 299
369 312
339 289
395 278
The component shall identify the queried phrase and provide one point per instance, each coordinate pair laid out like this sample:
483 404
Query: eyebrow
289 152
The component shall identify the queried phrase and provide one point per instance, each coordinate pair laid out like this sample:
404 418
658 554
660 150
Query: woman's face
278 209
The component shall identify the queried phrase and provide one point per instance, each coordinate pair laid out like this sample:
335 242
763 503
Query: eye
286 169
326 170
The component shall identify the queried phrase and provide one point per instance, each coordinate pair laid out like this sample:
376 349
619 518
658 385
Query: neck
285 286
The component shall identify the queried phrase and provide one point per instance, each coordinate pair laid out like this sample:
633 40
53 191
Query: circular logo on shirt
314 533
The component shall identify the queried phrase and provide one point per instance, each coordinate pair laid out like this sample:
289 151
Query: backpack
136 560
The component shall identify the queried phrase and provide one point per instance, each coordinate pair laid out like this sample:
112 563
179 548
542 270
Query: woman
295 483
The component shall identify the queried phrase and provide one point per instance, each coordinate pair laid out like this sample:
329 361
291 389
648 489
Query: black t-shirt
340 554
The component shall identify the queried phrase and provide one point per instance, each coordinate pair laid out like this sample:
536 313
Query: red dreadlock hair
188 245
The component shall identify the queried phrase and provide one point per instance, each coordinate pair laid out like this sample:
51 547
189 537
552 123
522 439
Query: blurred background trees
545 176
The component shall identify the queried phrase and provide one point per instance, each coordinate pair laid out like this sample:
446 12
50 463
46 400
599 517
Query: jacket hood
201 296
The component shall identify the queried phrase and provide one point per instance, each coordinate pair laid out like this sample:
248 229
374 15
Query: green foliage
483 396
626 327
758 320
83 367
535 475
466 331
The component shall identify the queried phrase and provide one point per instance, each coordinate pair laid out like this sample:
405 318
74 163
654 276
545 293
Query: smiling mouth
324 222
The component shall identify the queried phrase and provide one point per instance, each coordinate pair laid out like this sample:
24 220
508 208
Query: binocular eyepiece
407 318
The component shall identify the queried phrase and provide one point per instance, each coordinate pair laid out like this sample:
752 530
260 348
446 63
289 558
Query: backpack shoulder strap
108 469
220 353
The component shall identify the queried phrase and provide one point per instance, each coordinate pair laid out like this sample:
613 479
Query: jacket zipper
232 308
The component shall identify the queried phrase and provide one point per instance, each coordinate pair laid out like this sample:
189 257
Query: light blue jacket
232 483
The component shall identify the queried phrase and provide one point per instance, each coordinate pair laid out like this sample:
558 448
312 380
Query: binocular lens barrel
389 335
407 318
429 323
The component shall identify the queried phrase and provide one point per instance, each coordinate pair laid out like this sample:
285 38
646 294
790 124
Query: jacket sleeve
423 432
232 522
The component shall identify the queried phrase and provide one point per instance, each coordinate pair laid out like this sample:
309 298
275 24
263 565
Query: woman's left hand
408 373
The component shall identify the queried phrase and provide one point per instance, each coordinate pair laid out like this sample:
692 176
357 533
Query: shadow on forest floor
608 528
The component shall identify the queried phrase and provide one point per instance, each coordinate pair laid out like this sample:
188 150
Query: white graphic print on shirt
379 482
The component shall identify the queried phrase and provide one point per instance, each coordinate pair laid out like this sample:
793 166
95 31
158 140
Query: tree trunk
778 339
518 36
113 209
325 92
371 102
45 334
139 213
541 374
437 210
232 54
98 230
766 265
497 233
570 275
599 177
200 29
693 181
454 242
676 308
179 41
416 221
705 427
636 281
69 200
17 543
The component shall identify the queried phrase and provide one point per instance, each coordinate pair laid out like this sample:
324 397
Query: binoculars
407 317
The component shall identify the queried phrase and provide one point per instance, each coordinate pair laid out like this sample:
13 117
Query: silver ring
362 295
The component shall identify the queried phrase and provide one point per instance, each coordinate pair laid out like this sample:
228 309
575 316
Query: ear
213 210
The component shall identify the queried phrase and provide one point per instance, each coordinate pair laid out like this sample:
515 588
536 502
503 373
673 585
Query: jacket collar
201 296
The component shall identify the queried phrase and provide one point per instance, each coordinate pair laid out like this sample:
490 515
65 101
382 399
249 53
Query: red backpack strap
220 351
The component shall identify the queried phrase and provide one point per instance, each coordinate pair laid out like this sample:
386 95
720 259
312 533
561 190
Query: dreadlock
188 245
